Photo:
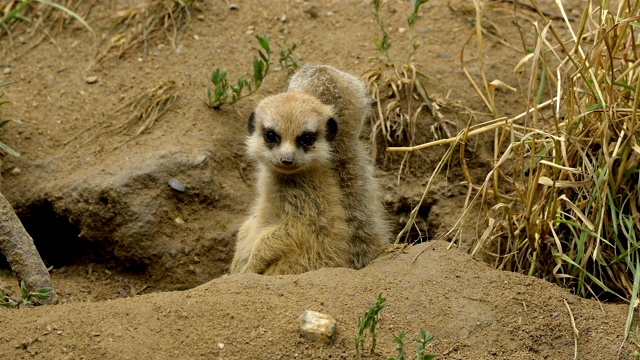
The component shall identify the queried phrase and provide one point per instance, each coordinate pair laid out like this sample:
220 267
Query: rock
7 71
176 185
233 6
92 79
316 326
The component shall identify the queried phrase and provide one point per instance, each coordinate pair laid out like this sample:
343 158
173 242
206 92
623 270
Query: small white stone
316 326
176 185
91 79
220 346
7 71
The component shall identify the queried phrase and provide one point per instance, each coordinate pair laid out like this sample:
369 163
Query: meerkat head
291 132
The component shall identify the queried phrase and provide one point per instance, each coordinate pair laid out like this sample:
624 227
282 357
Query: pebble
92 79
200 17
316 326
16 171
176 185
233 6
200 158
283 18
6 71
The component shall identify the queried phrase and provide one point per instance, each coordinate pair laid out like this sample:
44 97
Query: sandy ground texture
473 311
139 266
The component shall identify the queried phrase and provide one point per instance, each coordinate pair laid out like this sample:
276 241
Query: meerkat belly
314 233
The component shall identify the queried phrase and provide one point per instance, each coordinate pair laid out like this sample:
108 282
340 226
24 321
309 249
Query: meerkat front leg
272 244
243 247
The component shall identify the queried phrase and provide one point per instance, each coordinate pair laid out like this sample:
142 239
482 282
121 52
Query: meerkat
361 194
298 222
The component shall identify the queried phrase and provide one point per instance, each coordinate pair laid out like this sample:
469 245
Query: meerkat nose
287 160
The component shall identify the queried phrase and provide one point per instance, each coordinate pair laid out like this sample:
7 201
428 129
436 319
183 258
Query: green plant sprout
423 340
28 297
411 20
384 44
224 93
368 321
287 59
399 340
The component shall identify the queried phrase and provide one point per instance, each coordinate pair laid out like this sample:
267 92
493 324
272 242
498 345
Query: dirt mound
474 312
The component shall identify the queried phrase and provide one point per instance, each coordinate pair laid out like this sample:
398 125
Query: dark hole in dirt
401 209
54 236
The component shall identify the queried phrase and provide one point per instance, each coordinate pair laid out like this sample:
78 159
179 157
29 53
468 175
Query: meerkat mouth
287 169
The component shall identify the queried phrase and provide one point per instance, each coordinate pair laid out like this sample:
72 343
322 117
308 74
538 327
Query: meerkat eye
271 137
307 139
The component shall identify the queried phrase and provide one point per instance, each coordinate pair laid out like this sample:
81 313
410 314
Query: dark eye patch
271 136
307 139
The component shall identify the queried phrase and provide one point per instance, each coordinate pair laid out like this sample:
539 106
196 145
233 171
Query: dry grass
144 109
400 100
398 90
33 21
562 201
137 26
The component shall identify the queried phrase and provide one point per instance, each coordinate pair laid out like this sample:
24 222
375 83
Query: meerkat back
362 199
298 222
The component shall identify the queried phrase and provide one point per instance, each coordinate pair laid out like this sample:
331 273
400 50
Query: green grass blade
68 11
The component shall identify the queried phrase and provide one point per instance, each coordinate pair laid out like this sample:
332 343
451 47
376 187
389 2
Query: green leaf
625 86
8 150
23 289
264 42
5 122
264 58
13 14
76 16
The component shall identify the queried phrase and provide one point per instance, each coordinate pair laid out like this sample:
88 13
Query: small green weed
223 93
28 297
368 322
384 44
288 58
411 20
422 341
399 93
3 146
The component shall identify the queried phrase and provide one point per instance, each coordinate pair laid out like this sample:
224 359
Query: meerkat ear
251 123
332 129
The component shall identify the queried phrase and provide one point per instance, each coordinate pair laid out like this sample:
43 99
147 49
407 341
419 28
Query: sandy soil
140 267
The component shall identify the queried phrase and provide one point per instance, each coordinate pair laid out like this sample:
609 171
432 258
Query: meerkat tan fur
361 195
298 222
